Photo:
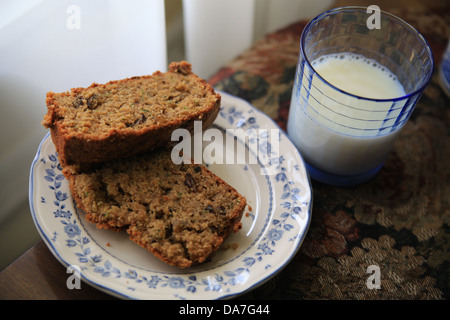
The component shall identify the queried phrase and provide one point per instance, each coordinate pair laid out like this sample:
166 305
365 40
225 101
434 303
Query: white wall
216 31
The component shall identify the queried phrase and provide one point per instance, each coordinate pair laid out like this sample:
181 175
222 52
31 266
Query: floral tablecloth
399 221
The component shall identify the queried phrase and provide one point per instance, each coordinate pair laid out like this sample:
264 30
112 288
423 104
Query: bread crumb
232 246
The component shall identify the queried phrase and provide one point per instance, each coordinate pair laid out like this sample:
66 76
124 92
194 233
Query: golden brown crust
82 133
106 137
180 213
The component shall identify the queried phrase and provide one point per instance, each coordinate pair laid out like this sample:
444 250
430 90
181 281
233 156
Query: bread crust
119 167
75 147
197 229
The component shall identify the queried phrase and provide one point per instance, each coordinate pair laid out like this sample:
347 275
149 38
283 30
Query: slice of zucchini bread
180 213
126 117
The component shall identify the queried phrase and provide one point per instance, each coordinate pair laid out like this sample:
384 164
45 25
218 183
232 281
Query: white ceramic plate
277 189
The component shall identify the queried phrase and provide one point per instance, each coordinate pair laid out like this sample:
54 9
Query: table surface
399 221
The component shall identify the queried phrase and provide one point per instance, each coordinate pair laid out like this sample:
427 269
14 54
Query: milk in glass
341 133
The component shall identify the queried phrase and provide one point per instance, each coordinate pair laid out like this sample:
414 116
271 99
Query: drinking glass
343 137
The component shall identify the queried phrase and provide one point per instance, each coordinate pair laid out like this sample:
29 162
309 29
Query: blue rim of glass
340 180
392 17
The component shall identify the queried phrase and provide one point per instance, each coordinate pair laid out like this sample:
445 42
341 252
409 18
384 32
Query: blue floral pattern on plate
272 232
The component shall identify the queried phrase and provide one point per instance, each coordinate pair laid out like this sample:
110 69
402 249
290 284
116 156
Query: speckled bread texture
180 213
126 117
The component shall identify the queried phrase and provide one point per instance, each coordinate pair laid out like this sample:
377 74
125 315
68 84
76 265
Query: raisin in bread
126 117
180 213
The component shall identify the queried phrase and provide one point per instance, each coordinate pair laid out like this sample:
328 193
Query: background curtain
216 31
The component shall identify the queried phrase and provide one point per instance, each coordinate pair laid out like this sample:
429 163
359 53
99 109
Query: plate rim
225 295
